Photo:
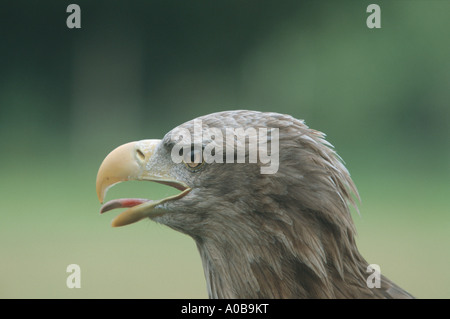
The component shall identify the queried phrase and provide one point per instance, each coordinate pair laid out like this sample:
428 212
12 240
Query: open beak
133 161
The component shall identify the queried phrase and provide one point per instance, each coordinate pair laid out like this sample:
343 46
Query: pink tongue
122 203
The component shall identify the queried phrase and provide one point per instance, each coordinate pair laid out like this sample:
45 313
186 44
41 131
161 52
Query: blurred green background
137 69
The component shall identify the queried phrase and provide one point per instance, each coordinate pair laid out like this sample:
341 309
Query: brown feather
286 235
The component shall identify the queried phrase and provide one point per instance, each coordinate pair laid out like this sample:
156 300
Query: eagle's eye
194 159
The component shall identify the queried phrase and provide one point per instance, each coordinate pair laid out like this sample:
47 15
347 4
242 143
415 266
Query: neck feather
285 258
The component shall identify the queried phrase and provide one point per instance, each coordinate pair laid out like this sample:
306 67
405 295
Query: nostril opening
140 155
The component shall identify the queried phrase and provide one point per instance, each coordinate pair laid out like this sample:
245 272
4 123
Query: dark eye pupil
194 158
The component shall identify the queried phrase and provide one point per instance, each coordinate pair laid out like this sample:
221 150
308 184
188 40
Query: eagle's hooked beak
132 161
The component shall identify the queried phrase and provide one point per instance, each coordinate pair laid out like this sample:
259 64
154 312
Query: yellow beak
133 161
